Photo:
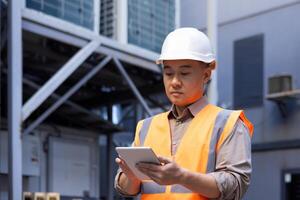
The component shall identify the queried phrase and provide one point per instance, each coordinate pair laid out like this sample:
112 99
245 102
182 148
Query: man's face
184 80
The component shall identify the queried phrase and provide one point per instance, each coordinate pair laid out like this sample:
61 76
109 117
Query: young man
205 150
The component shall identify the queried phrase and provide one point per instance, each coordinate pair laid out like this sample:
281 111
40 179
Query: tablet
134 155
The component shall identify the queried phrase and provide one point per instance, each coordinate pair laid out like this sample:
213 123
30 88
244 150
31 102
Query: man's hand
166 174
125 169
127 180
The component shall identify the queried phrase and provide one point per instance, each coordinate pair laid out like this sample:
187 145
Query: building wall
39 181
193 12
268 167
281 47
276 20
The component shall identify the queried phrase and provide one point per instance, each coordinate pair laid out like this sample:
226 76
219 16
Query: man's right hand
126 170
127 180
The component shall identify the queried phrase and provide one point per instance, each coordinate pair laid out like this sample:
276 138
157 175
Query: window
248 72
79 12
149 21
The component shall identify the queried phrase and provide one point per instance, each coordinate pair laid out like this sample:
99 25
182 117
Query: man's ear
207 75
212 65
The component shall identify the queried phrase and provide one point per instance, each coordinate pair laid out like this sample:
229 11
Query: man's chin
178 102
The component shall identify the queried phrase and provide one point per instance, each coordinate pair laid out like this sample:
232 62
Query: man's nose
176 82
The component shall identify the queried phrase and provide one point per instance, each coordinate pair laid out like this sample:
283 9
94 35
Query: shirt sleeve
233 164
118 188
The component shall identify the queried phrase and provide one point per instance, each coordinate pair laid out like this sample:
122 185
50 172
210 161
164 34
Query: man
205 150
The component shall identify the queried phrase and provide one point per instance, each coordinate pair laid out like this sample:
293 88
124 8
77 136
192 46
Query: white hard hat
186 43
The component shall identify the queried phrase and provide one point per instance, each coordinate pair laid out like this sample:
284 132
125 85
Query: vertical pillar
212 32
14 99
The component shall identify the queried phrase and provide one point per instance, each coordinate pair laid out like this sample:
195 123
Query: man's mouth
176 93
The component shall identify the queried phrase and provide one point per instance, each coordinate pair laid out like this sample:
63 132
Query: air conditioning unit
52 196
27 196
280 83
281 91
39 196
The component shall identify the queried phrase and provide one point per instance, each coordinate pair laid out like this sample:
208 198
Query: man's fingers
151 174
164 159
154 176
118 160
122 164
149 166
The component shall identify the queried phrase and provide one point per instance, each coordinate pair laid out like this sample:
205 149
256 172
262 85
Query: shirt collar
193 108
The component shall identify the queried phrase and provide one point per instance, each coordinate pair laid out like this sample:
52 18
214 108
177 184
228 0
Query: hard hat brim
203 58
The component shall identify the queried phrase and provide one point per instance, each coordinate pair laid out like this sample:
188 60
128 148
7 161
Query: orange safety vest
196 151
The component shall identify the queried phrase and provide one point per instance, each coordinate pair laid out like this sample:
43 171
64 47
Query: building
76 76
258 40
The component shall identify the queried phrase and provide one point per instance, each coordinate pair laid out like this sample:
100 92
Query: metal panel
78 12
51 85
30 154
69 166
69 93
149 22
15 99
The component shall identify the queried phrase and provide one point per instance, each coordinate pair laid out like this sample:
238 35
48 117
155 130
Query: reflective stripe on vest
218 129
144 130
152 188
180 189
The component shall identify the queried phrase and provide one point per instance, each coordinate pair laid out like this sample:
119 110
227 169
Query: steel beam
69 93
113 50
14 99
125 114
132 86
57 97
51 85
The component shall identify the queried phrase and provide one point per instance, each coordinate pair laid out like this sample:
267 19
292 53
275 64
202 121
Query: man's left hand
166 174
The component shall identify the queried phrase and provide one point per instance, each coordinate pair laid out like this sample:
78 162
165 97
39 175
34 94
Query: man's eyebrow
181 66
185 66
167 67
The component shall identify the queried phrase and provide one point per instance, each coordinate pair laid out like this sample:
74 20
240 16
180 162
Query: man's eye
168 74
185 73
